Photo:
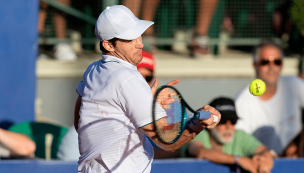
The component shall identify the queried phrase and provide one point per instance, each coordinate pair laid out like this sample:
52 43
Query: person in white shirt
113 111
274 118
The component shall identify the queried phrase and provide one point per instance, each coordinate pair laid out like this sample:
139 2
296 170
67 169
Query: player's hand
248 164
209 123
155 84
165 96
265 164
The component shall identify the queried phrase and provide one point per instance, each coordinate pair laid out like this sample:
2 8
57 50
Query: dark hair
112 41
264 43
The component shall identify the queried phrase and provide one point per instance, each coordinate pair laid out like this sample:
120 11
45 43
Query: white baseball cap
118 21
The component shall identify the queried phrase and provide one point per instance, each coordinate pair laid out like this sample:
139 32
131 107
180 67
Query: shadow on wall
268 136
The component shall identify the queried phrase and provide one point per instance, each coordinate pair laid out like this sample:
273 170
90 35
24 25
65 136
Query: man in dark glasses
274 118
226 145
146 67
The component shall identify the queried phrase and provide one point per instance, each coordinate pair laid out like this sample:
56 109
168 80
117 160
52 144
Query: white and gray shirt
116 102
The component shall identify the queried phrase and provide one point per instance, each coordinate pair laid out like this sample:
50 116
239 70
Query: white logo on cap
225 108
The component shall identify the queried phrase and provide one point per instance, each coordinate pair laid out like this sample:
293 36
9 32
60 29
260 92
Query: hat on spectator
226 107
118 21
147 61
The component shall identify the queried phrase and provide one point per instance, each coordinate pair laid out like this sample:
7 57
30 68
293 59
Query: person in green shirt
226 145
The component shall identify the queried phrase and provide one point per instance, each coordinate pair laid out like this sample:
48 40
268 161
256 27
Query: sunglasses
277 62
224 121
148 78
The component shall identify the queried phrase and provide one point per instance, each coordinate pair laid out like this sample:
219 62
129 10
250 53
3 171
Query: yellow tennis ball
257 87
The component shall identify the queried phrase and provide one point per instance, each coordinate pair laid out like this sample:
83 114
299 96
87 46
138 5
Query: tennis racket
169 129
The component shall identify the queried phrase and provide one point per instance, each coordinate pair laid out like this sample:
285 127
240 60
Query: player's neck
269 93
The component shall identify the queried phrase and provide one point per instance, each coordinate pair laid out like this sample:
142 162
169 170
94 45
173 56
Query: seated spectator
274 118
296 148
199 45
15 145
148 13
62 50
225 145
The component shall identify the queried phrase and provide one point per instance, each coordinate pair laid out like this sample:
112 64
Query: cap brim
229 115
136 31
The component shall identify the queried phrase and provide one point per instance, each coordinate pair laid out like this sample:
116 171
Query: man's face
147 74
269 66
223 133
130 51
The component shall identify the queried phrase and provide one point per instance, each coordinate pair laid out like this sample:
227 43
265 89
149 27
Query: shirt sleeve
248 142
136 100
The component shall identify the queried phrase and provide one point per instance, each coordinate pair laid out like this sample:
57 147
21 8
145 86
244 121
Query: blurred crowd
199 22
253 130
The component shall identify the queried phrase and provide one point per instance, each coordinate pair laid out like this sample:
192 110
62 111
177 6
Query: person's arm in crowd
197 149
18 144
264 159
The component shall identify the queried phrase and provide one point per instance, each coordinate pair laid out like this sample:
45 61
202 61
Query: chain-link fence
244 22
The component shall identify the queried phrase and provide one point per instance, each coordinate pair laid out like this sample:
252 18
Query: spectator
200 39
146 67
296 148
14 144
148 13
225 145
274 118
62 51
204 18
68 148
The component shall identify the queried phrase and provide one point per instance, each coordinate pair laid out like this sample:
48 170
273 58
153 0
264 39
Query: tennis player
113 113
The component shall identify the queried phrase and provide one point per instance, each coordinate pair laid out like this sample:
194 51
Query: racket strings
170 128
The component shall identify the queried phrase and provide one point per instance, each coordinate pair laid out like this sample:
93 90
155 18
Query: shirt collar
108 58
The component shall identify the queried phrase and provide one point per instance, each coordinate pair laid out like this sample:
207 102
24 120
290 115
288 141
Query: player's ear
108 45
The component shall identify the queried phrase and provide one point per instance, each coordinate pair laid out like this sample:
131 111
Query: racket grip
203 115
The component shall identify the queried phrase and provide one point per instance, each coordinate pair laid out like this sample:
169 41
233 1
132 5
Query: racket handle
203 115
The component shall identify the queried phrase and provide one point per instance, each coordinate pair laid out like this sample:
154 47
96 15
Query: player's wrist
196 126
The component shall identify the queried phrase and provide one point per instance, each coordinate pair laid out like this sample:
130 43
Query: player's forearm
185 138
18 144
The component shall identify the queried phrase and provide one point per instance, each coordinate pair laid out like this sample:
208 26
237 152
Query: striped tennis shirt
116 102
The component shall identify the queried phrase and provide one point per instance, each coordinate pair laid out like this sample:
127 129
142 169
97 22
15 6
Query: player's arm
188 134
18 144
76 112
197 149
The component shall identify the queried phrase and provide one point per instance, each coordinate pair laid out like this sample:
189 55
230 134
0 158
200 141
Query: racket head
170 128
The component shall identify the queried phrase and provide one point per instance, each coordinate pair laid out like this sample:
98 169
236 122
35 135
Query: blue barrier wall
18 49
158 166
